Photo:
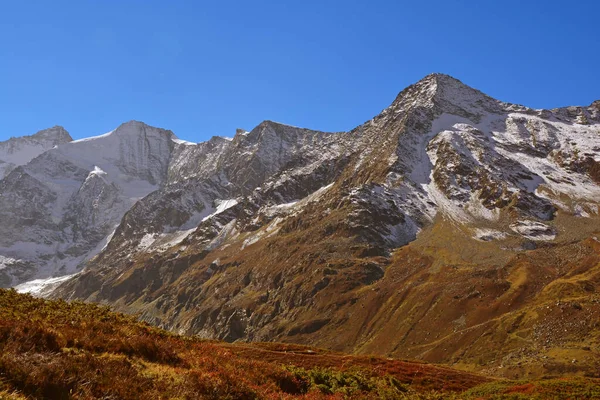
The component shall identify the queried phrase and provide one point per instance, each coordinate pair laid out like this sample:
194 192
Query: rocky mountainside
60 206
452 227
19 151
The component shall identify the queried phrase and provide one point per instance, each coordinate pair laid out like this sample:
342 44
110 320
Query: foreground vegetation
60 350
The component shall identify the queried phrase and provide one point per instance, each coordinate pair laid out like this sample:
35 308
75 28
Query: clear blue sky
203 68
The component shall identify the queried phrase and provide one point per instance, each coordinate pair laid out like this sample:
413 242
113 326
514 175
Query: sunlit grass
60 350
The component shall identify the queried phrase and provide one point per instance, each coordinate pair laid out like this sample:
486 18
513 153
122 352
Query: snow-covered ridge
88 186
92 138
518 153
183 142
19 151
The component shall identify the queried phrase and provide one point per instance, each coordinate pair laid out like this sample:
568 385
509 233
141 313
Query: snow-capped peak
447 93
57 133
18 151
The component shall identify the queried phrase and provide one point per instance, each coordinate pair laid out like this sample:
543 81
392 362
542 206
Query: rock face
445 219
60 208
19 151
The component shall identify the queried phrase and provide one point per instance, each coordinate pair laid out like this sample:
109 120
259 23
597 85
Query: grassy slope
444 298
60 350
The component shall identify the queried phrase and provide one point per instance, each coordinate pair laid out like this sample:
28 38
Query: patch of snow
93 138
475 208
97 171
146 241
104 243
580 211
295 206
487 235
7 262
40 287
286 205
227 231
250 240
534 230
222 205
422 166
183 142
167 240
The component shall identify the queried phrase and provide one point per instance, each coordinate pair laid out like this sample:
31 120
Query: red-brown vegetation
60 350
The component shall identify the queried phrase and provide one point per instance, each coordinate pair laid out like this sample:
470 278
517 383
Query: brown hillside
60 350
57 350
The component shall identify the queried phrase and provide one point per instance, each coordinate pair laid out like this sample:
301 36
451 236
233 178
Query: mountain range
452 228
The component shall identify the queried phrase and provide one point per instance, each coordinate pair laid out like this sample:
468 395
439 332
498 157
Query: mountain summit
444 229
61 199
19 151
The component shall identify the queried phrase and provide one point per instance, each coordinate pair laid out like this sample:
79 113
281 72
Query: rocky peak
273 142
218 140
419 93
56 134
446 94
47 137
75 194
268 128
20 150
140 129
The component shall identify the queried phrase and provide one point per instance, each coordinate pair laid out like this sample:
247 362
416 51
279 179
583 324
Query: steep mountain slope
60 208
19 151
452 227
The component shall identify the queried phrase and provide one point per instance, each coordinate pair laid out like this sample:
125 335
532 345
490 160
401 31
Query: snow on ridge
131 160
98 171
505 136
281 211
92 138
19 151
183 142
169 240
286 205
222 205
296 204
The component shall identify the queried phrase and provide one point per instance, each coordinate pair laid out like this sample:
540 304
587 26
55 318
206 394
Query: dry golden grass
60 350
